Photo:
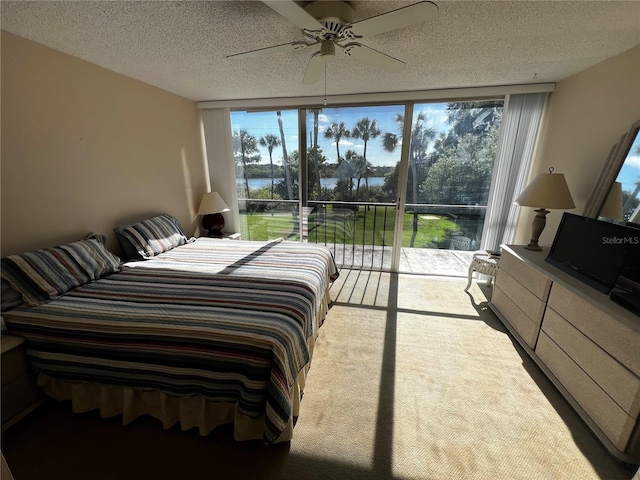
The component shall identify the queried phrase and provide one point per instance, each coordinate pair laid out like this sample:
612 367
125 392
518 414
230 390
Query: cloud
343 143
633 161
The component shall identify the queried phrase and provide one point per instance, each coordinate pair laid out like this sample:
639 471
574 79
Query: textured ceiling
181 46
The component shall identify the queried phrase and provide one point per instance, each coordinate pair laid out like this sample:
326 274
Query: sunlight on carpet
426 384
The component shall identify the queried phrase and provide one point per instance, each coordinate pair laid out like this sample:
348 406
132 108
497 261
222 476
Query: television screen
593 251
629 278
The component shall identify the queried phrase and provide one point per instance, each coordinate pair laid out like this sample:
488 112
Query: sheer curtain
519 131
216 123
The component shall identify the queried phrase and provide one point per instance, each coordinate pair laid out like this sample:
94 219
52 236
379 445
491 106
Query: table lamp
547 190
211 207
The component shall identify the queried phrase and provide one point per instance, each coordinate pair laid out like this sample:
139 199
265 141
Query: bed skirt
189 412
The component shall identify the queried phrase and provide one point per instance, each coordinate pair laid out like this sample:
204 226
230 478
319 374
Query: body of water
255 183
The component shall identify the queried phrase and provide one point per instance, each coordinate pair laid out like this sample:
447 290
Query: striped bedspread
229 320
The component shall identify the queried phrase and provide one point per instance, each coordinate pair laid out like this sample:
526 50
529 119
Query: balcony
436 238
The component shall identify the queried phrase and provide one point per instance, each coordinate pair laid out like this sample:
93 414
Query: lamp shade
547 190
212 203
612 208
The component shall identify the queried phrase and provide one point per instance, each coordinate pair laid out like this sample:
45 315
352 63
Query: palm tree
316 114
472 117
245 148
628 206
285 157
359 166
366 130
270 141
346 171
421 135
337 131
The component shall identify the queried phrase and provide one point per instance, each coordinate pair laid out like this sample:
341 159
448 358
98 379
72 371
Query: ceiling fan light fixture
327 48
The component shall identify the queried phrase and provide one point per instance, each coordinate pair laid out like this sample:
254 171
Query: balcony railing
360 234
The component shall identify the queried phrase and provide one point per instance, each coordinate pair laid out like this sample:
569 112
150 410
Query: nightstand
19 393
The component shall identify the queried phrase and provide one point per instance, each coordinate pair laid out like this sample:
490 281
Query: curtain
519 131
216 123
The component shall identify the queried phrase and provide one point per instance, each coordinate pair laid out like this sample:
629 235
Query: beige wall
587 115
86 149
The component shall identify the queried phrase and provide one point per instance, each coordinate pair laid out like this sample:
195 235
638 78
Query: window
451 156
265 152
341 182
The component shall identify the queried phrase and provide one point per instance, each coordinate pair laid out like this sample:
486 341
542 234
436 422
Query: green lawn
345 226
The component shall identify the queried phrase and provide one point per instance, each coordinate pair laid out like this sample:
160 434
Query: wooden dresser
587 345
19 393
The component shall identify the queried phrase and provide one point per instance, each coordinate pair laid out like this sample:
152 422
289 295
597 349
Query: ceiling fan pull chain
325 84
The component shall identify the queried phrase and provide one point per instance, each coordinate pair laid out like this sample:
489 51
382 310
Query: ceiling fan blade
285 47
294 13
373 57
403 17
314 69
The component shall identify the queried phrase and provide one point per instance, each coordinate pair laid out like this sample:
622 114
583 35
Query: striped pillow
44 275
151 237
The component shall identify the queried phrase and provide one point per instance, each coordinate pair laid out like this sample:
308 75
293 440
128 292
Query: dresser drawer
530 278
614 422
619 339
618 382
528 303
520 322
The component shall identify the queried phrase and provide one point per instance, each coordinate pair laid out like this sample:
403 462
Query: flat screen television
629 279
593 251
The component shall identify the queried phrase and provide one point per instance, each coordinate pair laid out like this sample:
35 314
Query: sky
629 174
263 123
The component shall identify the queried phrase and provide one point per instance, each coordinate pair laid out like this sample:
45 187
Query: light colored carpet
412 378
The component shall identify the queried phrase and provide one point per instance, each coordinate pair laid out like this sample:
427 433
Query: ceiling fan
330 25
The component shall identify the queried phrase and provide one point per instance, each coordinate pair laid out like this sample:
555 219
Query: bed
198 332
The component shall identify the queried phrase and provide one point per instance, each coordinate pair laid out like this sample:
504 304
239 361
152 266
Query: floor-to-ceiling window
351 182
450 164
342 176
266 154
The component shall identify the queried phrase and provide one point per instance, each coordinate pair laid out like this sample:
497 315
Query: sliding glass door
343 177
450 164
351 183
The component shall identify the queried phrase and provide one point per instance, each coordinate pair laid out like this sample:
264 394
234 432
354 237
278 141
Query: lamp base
213 223
537 226
533 246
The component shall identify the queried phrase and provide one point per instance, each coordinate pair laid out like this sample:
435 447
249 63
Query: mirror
629 180
616 195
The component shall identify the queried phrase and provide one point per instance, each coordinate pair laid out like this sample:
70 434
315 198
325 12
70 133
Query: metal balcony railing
360 234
